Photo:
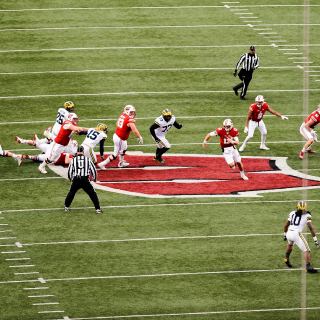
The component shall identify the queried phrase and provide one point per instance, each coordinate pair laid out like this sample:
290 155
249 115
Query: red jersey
224 135
62 159
122 129
258 112
315 117
64 135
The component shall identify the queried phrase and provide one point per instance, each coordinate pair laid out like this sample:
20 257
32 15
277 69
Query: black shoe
287 262
242 98
312 270
235 91
159 160
98 211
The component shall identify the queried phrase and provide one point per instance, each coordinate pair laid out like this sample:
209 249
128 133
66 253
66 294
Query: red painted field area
197 175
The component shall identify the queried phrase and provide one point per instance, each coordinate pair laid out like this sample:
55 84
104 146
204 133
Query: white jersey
62 115
298 222
164 126
93 137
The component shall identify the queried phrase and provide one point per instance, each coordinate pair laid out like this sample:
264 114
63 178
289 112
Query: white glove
140 140
314 135
245 130
284 118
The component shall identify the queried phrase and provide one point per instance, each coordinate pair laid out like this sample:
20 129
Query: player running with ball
228 142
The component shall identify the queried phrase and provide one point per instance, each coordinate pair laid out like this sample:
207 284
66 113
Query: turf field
154 258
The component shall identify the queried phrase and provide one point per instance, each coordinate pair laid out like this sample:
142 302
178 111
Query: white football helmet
129 110
72 117
259 99
227 124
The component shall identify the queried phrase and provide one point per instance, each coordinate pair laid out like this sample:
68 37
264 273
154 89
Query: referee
81 170
249 62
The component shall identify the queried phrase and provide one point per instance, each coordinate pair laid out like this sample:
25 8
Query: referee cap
252 48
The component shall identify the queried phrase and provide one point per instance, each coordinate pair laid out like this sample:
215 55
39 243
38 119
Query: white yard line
194 314
149 93
156 275
214 203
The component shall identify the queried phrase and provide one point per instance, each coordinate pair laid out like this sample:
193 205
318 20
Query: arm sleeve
257 63
153 127
102 147
177 125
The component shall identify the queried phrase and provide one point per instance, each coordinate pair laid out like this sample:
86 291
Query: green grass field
147 258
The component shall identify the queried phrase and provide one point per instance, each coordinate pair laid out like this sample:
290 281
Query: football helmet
69 105
102 127
259 99
167 114
302 205
227 124
130 110
72 117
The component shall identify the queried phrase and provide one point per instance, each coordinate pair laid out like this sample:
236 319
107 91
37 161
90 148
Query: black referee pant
245 77
82 183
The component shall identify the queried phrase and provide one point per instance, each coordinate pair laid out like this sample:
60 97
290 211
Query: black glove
235 72
157 140
179 126
284 237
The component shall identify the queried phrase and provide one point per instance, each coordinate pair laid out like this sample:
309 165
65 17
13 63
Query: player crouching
228 142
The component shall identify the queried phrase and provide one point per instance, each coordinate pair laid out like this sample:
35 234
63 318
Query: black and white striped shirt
81 166
249 62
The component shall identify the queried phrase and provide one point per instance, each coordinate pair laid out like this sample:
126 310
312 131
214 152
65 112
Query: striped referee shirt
81 166
249 62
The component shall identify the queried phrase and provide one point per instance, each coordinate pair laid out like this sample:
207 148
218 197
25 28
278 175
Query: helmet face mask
227 124
166 114
102 127
130 110
69 105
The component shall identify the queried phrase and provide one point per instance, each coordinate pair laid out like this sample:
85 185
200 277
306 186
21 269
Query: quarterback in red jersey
62 140
228 142
254 120
307 131
124 126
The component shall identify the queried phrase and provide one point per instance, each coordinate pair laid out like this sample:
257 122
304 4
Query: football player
254 120
308 132
159 129
228 141
93 137
62 140
62 116
293 228
125 124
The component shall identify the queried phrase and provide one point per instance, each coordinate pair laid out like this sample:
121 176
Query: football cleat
241 149
311 270
243 176
301 155
67 209
287 262
98 211
264 147
101 166
18 139
123 164
161 160
311 151
42 168
235 91
18 159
